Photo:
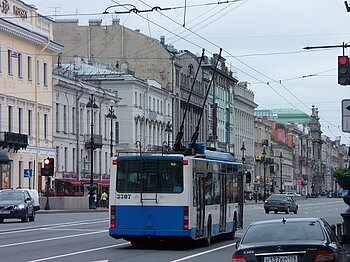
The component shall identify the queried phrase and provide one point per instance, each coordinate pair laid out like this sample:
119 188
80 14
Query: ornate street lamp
243 159
92 105
281 158
264 162
112 116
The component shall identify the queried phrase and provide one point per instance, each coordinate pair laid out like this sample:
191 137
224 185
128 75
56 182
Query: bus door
223 203
199 200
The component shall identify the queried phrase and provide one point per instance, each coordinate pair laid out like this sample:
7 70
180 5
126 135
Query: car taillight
238 258
112 218
324 256
186 217
282 204
267 202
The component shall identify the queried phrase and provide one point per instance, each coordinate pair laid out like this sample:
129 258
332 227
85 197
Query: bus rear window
150 176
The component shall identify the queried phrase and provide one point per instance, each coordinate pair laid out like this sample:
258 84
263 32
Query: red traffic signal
299 181
48 169
343 70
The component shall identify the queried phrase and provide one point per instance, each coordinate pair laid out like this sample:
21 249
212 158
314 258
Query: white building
72 132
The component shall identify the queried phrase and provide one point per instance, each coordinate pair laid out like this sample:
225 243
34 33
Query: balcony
13 141
97 141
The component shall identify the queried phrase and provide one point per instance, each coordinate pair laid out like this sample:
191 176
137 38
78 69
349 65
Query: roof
291 115
304 219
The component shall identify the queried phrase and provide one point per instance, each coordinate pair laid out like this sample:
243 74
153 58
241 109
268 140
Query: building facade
26 53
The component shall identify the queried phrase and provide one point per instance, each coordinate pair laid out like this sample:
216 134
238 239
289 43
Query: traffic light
343 70
48 169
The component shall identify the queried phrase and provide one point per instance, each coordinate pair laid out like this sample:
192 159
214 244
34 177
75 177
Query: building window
30 68
9 62
20 65
46 72
46 126
73 120
57 117
117 132
140 100
10 118
65 118
30 120
66 159
136 99
38 72
58 159
154 104
20 120
39 126
81 121
74 159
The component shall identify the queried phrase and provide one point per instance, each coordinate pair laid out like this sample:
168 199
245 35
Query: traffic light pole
47 205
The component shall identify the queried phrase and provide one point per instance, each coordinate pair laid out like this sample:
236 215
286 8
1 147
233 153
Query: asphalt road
84 237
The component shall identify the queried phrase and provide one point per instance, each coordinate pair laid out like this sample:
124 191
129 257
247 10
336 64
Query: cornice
28 35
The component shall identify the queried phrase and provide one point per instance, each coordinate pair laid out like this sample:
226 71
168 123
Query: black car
16 204
289 240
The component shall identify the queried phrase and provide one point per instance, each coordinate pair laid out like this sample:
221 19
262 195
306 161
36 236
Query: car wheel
287 211
1 220
32 217
296 211
276 211
267 211
24 219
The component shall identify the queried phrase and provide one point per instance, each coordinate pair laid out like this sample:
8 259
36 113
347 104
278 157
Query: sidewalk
51 211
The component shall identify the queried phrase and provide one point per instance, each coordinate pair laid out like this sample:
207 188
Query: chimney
162 39
115 21
137 30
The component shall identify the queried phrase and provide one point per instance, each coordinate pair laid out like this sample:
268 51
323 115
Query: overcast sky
262 42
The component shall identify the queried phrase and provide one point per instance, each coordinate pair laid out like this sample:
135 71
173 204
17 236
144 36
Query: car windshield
11 196
305 230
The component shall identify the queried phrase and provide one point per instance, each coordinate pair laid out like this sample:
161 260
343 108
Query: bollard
339 230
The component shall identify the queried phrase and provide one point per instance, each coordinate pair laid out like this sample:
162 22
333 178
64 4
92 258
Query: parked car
280 202
290 240
34 194
16 204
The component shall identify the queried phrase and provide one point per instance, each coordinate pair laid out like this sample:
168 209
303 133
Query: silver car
280 202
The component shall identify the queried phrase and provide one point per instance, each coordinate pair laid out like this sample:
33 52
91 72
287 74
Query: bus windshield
150 176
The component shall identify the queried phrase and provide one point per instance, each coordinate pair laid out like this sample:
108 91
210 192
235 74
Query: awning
80 182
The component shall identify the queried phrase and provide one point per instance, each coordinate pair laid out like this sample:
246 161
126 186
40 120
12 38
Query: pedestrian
104 198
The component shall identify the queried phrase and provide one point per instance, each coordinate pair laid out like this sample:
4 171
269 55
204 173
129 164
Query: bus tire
232 234
207 241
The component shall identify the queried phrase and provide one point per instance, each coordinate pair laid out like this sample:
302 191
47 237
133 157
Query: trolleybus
174 196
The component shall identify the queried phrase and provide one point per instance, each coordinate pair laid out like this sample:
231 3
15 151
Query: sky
262 42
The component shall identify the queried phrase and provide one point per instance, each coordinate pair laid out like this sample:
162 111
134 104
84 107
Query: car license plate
5 212
293 258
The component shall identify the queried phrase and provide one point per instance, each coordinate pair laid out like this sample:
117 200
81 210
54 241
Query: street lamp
243 159
168 129
264 162
112 116
281 157
92 105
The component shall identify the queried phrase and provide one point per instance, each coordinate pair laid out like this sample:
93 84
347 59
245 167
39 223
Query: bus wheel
232 234
206 241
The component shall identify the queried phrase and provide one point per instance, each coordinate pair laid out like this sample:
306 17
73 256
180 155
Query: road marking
79 252
53 238
203 253
54 226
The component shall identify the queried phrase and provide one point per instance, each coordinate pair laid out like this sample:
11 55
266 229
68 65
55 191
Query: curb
71 211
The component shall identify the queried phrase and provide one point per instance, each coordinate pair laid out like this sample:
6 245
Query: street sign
345 105
28 172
